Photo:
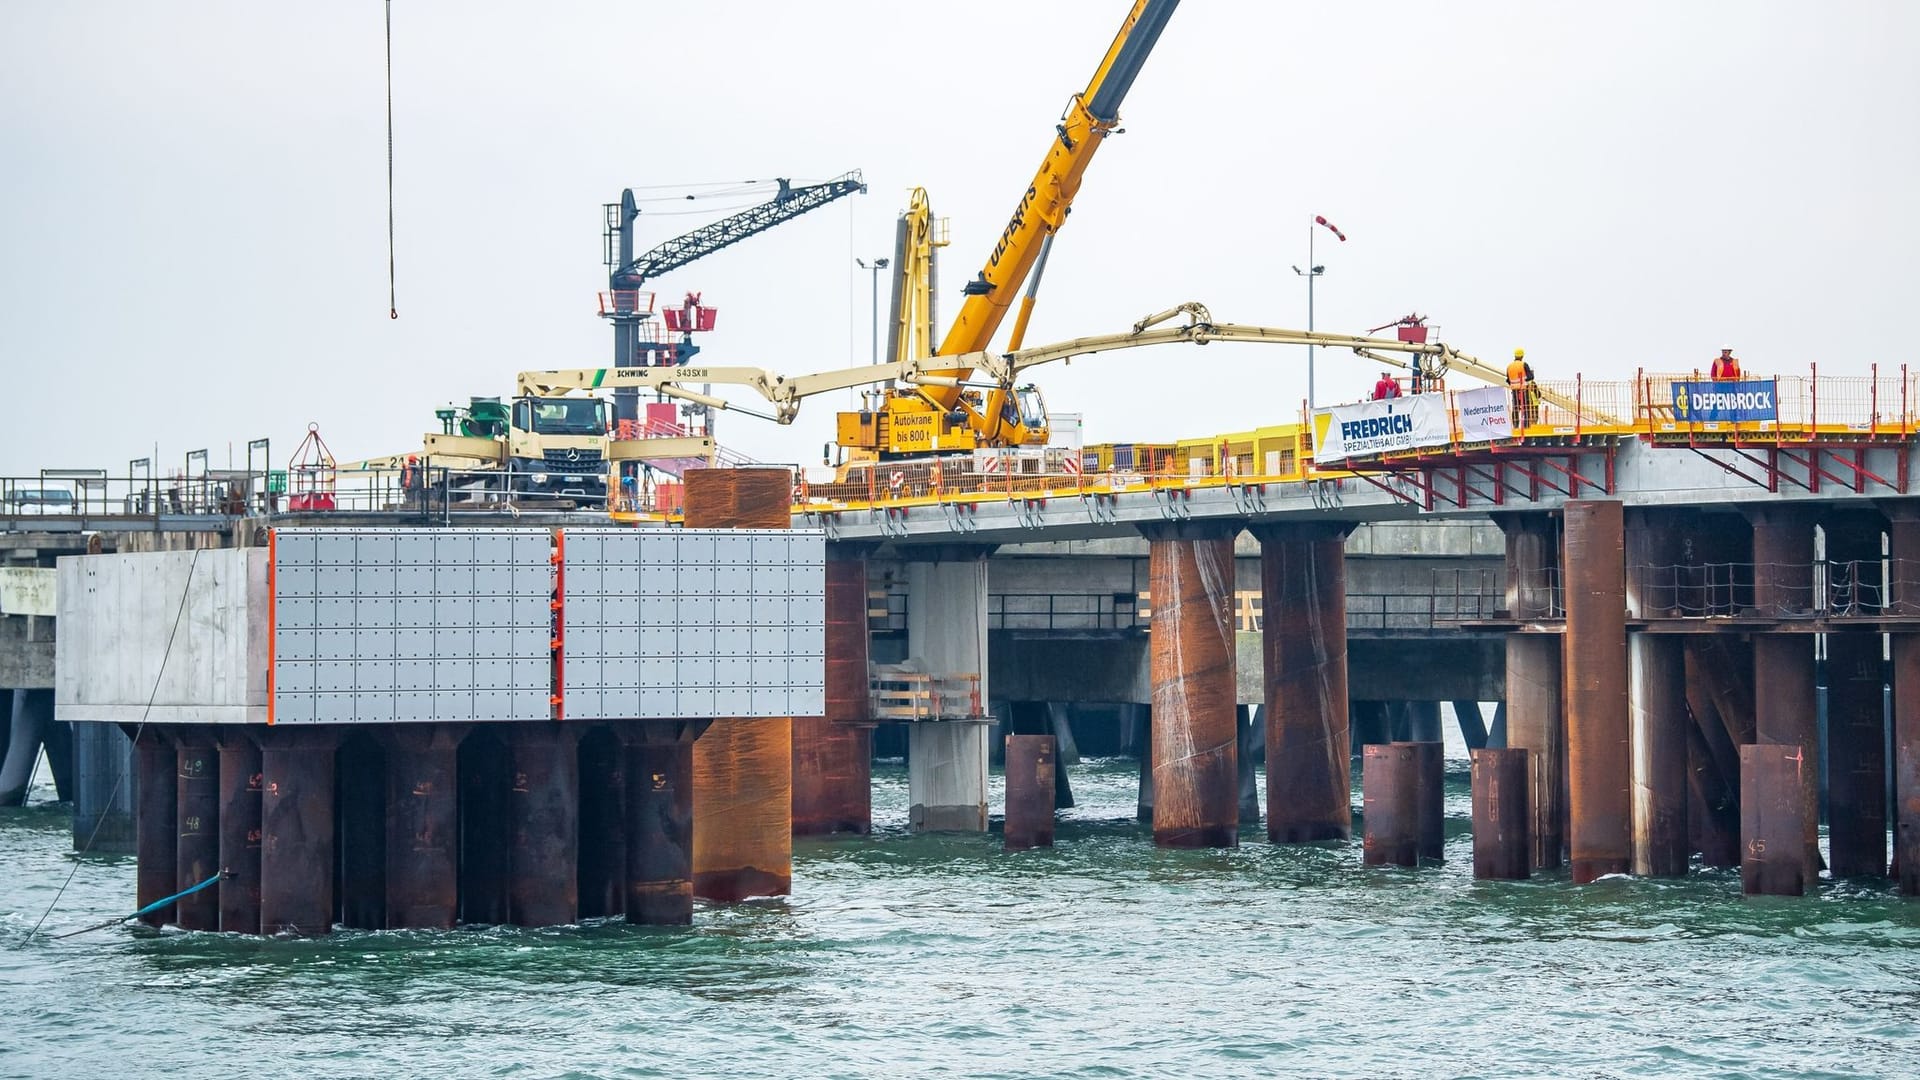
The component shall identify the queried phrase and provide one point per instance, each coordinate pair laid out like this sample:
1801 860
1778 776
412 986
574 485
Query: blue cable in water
148 910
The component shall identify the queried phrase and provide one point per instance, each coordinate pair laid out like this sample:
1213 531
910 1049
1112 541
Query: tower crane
636 342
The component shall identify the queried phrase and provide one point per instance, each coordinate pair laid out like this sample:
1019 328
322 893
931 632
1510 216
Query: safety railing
65 500
1864 588
899 694
1883 403
1064 612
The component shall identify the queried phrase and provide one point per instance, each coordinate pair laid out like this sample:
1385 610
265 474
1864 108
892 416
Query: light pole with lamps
1310 273
1313 271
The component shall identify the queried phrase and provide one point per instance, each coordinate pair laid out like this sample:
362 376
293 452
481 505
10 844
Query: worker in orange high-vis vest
1520 386
1726 366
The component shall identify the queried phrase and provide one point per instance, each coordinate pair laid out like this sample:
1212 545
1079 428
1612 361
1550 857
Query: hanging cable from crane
393 306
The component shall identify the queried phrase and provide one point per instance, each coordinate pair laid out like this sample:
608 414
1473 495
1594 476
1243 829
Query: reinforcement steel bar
423 826
1774 780
239 833
197 820
1430 800
1906 766
297 829
742 769
1535 723
659 832
1599 767
833 755
1501 847
1856 755
543 808
1658 703
155 829
1389 805
1303 586
1029 817
1191 660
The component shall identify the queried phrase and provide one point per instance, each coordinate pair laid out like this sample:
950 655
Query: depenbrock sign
1728 402
1379 427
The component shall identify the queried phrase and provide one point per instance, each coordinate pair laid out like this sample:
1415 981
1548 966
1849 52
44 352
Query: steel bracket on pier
961 517
1176 504
1100 507
1248 498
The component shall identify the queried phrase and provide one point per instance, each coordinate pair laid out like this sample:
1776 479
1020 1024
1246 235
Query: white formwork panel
693 623
412 625
163 637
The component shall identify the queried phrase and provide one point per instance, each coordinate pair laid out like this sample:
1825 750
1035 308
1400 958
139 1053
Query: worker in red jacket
1726 366
1386 387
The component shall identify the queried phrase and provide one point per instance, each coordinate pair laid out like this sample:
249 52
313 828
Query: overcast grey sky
193 219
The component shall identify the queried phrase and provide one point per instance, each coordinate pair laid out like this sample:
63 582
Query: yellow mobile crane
936 411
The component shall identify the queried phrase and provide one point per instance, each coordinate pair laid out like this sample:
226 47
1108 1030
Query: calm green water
906 955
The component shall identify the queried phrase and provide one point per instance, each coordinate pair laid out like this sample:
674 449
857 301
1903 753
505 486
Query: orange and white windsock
1331 227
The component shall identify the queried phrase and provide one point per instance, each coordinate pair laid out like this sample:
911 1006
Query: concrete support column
742 767
156 777
28 716
1856 755
833 754
1244 756
1303 588
1473 727
297 829
240 786
542 808
197 819
1658 702
1029 818
659 878
1191 651
104 787
947 634
423 826
1599 765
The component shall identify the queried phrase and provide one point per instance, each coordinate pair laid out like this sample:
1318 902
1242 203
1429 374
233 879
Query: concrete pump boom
785 392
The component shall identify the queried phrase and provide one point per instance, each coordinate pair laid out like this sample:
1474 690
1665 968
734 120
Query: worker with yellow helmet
1525 393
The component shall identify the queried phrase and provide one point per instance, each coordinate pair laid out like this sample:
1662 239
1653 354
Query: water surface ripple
904 955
